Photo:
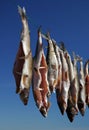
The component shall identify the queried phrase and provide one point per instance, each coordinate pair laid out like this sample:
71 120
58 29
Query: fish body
82 97
65 84
71 109
59 80
87 81
22 69
52 65
76 82
40 83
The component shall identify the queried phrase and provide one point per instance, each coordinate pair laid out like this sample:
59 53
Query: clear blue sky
68 21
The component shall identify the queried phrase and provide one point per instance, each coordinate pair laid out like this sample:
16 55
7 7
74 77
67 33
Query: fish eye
26 76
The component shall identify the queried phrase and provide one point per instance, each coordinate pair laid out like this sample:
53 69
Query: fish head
43 111
70 112
70 115
24 95
61 104
82 111
39 102
81 107
63 108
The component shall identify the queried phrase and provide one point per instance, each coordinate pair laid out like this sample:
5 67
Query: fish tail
62 46
22 12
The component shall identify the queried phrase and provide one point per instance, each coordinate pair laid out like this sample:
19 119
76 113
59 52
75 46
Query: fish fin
41 89
42 67
25 57
77 57
81 83
62 46
22 12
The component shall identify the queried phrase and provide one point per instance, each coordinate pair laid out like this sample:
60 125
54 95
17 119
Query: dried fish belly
40 83
23 64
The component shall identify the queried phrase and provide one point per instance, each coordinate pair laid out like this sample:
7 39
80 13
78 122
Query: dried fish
52 65
59 80
82 97
87 81
40 83
23 64
71 110
65 84
76 81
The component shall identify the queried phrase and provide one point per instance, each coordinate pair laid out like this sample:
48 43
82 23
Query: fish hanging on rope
81 97
76 81
40 83
65 84
87 81
22 69
59 80
52 65
71 110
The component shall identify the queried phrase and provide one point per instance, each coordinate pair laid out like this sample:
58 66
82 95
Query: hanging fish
82 97
52 65
71 107
22 69
40 83
65 84
59 80
76 94
87 81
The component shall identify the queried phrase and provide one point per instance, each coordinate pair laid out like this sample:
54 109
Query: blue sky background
68 21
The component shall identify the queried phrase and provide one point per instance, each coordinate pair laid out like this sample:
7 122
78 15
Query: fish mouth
43 111
74 111
71 114
81 108
82 111
24 96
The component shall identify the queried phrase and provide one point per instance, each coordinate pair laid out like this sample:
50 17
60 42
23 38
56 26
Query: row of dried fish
55 72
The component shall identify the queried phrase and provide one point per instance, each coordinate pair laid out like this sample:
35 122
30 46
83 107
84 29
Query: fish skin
57 52
71 107
22 69
59 81
40 83
65 84
76 81
82 97
86 67
71 111
52 65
